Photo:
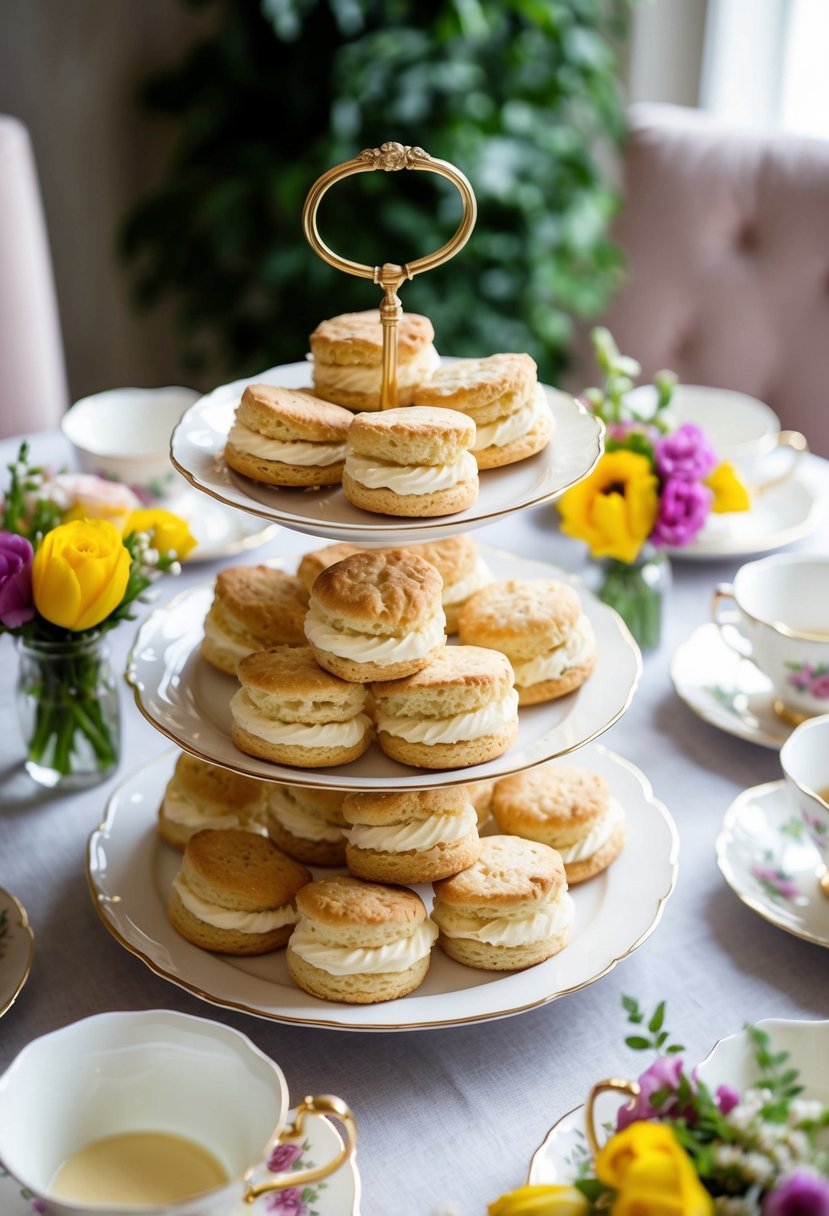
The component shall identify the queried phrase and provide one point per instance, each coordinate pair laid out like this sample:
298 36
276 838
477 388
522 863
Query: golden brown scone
359 942
235 893
318 560
459 711
253 607
285 437
307 824
480 795
410 837
509 910
201 795
526 443
289 710
376 615
462 569
348 355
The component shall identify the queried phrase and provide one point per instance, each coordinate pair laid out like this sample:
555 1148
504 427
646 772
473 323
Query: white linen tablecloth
445 1116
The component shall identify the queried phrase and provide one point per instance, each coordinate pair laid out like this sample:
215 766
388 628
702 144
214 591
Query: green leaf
638 1043
658 1018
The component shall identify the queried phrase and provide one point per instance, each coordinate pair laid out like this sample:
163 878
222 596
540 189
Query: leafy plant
520 94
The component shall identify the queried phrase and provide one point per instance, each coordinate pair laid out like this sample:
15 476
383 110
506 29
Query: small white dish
17 946
726 690
771 862
197 451
219 531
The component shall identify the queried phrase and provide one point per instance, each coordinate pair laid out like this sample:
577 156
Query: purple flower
283 1157
727 1098
16 607
800 1194
663 1074
819 686
683 509
775 881
686 454
801 676
288 1202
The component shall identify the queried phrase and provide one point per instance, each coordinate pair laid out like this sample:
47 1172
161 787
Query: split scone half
253 607
410 837
376 615
541 628
282 437
201 795
235 893
508 910
306 823
502 396
313 563
460 710
348 358
289 710
462 569
568 808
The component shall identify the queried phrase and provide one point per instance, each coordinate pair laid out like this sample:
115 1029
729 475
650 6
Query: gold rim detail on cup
321 1104
797 444
611 1085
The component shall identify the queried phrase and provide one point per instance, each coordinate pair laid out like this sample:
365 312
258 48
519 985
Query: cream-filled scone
201 795
235 893
312 564
509 909
253 607
462 569
414 463
348 358
541 628
501 394
307 824
568 808
282 437
460 710
359 942
289 710
376 615
480 795
410 837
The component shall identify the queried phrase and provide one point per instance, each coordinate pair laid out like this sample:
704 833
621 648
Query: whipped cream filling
475 724
374 647
480 576
231 918
285 451
410 478
551 918
502 431
599 834
296 734
217 635
370 960
418 834
298 820
180 809
576 650
360 378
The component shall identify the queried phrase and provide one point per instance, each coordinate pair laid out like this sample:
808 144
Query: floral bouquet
653 489
75 553
679 1150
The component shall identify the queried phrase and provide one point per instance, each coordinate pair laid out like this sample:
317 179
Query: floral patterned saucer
768 859
17 945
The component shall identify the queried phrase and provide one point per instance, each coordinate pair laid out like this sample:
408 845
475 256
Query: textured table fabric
453 1115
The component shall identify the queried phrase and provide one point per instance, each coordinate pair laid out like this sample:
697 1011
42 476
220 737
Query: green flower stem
637 601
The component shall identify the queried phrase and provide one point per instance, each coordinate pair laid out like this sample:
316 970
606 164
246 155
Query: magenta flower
727 1098
819 686
686 454
775 882
283 1157
663 1074
16 606
802 675
684 507
288 1202
800 1194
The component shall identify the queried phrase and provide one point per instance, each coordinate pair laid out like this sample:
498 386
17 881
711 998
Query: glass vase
67 703
638 590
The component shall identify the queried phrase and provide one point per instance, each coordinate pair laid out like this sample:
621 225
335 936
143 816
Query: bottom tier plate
130 870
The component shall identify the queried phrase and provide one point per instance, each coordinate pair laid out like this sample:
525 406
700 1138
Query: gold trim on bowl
29 932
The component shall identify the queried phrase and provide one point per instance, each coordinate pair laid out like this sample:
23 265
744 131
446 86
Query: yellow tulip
613 509
540 1201
652 1174
730 492
80 573
171 534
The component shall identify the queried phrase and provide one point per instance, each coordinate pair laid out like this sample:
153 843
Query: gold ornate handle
797 444
611 1085
322 1104
728 624
389 157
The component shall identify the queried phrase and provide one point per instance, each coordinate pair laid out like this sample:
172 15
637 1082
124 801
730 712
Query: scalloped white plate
17 946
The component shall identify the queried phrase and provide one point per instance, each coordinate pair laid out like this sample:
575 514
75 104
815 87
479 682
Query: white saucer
197 451
768 860
726 690
17 945
219 530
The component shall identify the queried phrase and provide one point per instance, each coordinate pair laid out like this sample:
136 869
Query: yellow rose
730 493
170 533
80 573
652 1174
613 509
540 1201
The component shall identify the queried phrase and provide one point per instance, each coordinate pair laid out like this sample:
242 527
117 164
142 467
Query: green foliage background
521 94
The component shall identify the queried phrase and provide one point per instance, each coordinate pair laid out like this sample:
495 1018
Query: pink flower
801 1194
685 454
819 686
776 881
684 507
288 1202
283 1157
663 1074
727 1098
16 606
85 496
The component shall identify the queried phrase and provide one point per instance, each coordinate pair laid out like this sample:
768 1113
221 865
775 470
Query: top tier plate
198 445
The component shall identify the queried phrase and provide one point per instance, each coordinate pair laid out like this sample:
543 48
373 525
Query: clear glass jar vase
638 590
67 703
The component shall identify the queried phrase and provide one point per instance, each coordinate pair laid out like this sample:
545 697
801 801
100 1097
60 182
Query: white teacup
780 621
124 435
160 1072
804 758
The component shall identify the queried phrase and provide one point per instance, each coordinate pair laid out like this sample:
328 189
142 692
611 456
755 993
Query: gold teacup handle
322 1104
612 1085
389 157
797 444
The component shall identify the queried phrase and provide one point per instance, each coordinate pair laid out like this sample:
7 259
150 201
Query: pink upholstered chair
726 237
33 392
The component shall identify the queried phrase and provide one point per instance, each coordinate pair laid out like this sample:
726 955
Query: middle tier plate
188 700
197 451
